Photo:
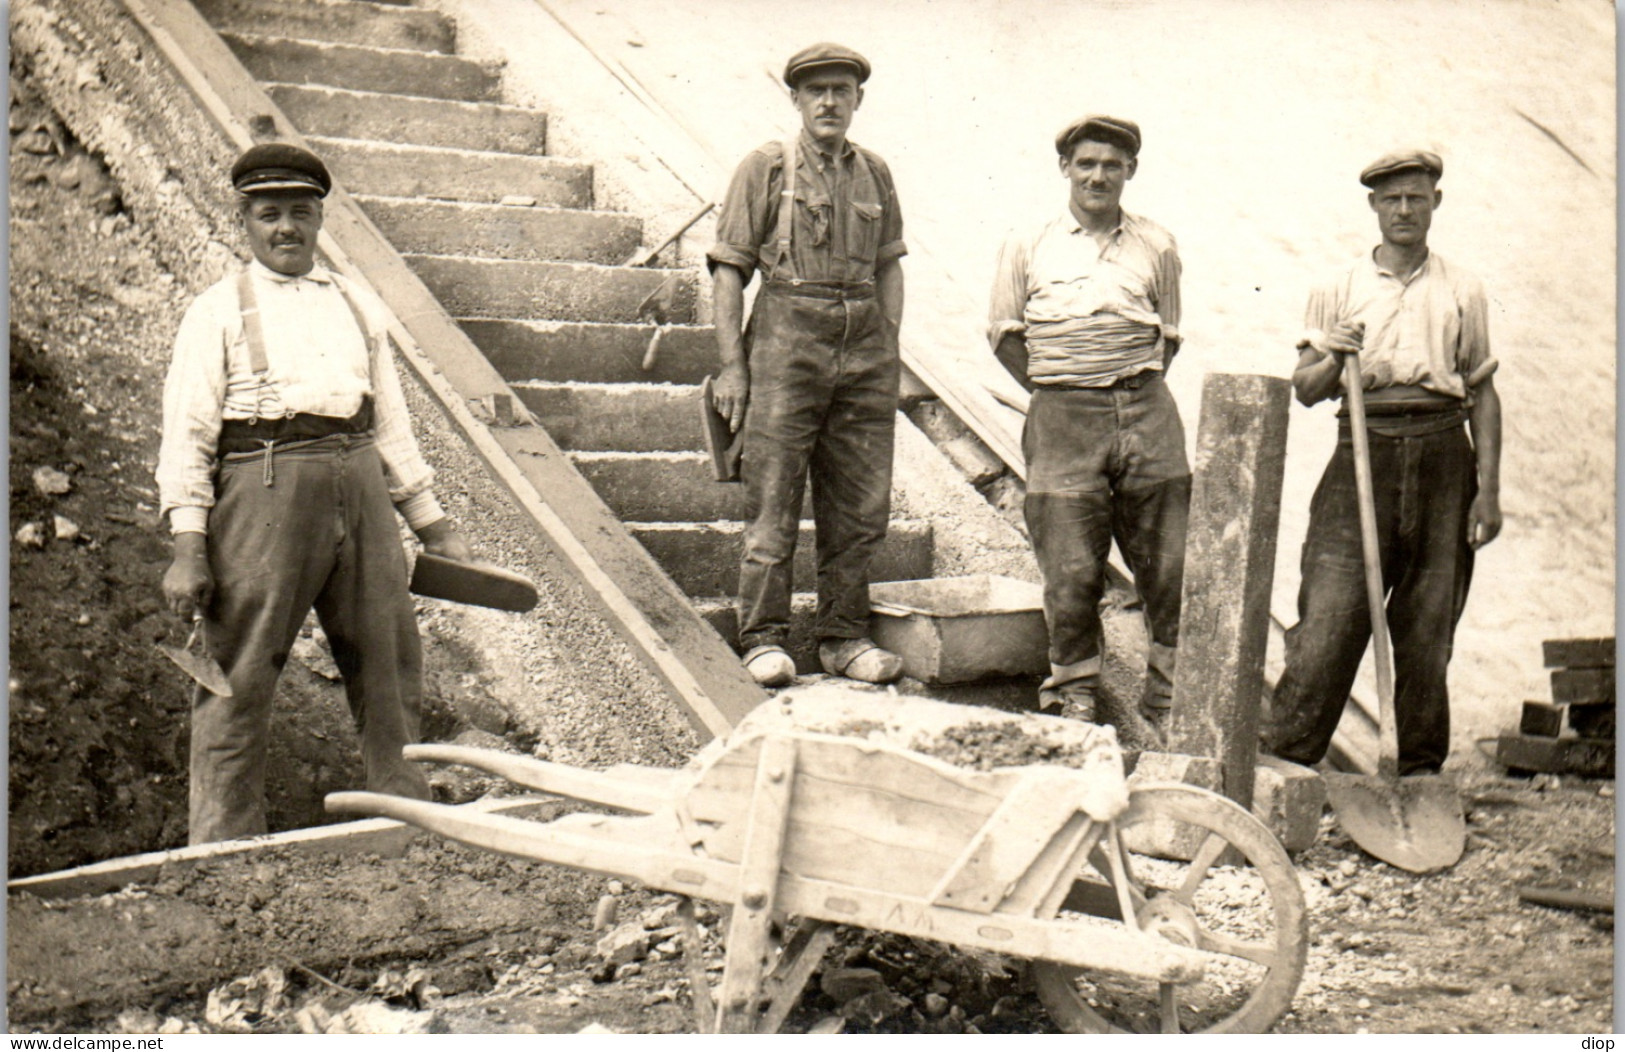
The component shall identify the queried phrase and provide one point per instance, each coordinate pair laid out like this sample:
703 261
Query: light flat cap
819 56
280 168
1402 161
1099 128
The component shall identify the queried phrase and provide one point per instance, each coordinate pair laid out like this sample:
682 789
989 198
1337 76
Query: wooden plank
369 836
1038 808
1579 653
617 787
1567 899
1582 756
1542 720
640 601
1582 686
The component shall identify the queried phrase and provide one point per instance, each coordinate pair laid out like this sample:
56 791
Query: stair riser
364 69
641 419
588 353
369 168
560 291
408 120
410 29
503 232
704 561
666 489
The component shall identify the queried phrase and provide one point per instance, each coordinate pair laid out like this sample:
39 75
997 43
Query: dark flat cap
819 55
1402 161
1099 128
280 167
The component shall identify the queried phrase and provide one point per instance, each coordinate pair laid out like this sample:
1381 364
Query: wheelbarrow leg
783 989
705 1009
750 936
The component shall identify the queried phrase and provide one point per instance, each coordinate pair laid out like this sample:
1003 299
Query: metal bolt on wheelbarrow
802 826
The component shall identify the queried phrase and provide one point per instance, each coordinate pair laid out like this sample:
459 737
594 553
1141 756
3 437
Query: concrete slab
563 291
661 487
335 22
504 231
387 170
629 417
405 119
703 557
365 68
591 352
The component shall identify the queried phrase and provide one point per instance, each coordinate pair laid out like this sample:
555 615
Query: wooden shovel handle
1387 726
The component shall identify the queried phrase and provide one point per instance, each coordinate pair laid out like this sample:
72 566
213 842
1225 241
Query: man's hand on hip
731 394
440 539
188 583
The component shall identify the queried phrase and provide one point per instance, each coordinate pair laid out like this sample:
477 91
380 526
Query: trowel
1413 823
204 669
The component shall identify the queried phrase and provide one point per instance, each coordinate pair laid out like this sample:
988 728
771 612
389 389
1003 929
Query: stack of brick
1574 732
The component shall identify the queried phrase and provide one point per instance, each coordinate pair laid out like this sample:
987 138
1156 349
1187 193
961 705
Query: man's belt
1132 382
247 436
824 290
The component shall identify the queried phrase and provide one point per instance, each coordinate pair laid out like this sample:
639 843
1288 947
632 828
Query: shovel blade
1415 824
204 670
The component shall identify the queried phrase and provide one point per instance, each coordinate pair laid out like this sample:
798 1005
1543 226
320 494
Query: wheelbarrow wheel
1237 897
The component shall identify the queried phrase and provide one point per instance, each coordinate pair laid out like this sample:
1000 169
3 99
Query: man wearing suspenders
813 378
287 451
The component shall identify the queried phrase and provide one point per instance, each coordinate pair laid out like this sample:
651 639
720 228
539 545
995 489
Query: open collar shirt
1091 313
318 362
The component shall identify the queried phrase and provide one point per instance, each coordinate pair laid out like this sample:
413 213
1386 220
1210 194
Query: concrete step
335 22
390 70
664 487
595 353
703 557
516 289
504 231
386 170
410 120
629 417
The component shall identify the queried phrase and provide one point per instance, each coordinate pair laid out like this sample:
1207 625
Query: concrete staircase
608 357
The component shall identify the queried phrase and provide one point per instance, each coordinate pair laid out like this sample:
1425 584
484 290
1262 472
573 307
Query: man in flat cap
286 454
813 379
1085 315
1420 326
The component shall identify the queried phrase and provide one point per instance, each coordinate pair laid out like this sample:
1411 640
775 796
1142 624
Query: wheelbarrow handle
1371 550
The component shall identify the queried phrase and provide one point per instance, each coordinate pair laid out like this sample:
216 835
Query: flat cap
1100 128
819 55
280 167
1402 161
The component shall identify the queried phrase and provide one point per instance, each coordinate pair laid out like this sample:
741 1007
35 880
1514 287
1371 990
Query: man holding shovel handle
1411 330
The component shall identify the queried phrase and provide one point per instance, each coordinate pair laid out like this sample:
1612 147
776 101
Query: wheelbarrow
827 808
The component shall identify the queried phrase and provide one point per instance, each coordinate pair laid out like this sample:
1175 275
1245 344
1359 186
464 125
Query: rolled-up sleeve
1007 305
742 219
892 245
1474 349
194 397
1165 287
407 474
1320 316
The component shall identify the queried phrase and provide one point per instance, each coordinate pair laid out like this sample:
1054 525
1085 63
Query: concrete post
1229 571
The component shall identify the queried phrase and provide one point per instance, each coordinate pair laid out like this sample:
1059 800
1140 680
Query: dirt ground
451 940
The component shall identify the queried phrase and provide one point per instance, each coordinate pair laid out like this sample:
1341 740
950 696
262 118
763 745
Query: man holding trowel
1085 314
813 379
1420 328
287 452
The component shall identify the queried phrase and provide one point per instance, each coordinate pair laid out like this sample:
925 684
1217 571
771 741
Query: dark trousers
323 533
823 399
1424 487
1105 463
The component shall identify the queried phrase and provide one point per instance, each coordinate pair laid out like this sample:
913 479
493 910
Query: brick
1583 685
1289 798
1592 721
1579 653
1542 720
1582 756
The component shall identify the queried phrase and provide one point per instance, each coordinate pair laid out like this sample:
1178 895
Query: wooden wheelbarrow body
786 818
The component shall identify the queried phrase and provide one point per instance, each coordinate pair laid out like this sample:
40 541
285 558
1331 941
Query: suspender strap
253 324
787 202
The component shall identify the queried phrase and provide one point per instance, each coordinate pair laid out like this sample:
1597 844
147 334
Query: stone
623 945
1578 653
1583 685
1164 838
51 482
30 535
1541 719
66 529
1289 798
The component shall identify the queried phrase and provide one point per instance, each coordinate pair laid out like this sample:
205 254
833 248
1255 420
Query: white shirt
318 362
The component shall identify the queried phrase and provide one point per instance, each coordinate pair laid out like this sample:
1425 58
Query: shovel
1413 823
205 670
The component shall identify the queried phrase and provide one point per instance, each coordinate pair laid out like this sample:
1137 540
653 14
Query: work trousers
312 525
1424 488
1105 463
823 398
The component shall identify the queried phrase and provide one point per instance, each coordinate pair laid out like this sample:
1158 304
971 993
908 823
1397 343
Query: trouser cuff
1088 668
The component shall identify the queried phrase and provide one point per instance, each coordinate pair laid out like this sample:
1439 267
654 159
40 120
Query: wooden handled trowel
204 669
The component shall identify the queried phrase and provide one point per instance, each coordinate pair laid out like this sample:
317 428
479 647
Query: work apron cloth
823 400
295 525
